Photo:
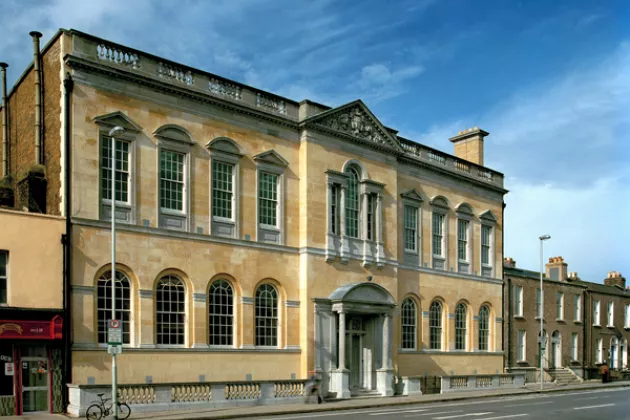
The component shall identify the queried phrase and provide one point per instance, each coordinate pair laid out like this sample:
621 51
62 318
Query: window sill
521 361
223 220
411 252
519 317
597 325
119 204
538 318
560 320
171 212
269 227
576 321
611 326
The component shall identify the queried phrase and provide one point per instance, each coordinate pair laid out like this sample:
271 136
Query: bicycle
97 410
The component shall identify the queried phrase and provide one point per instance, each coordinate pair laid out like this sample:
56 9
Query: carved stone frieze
270 103
357 123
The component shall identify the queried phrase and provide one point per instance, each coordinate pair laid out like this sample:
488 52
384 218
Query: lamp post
113 133
542 310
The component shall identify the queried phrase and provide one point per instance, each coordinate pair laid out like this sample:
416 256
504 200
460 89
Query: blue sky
550 81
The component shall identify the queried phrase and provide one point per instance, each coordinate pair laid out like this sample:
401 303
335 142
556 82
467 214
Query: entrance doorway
556 352
355 362
358 352
613 353
35 379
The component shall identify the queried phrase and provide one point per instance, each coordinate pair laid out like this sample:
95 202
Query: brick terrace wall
531 324
603 331
21 118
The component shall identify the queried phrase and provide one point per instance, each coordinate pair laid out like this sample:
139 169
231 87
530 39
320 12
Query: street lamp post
542 310
113 133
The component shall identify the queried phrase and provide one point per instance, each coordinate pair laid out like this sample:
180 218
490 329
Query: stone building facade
585 324
266 235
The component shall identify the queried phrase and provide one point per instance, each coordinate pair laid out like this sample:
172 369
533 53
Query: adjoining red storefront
31 365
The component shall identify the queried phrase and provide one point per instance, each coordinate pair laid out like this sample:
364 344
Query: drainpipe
585 340
509 338
68 85
38 96
503 280
5 127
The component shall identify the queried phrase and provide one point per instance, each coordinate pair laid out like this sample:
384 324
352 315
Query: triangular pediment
271 157
357 121
117 118
412 195
488 216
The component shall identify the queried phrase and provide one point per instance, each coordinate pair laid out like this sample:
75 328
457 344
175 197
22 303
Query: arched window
435 326
266 316
170 308
484 328
352 203
408 324
460 326
220 314
123 304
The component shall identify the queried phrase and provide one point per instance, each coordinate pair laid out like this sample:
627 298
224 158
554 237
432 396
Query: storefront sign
33 330
8 369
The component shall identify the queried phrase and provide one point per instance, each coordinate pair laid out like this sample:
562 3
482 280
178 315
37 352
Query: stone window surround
487 219
271 162
128 208
577 308
416 325
219 152
413 199
132 304
439 205
626 321
175 139
369 251
574 346
465 212
187 311
463 327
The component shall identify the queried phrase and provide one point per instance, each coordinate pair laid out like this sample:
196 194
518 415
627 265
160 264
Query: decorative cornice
292 303
121 73
83 290
146 293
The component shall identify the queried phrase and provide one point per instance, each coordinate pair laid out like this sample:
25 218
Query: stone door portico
353 344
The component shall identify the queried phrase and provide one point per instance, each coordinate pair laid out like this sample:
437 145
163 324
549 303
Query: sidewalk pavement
351 404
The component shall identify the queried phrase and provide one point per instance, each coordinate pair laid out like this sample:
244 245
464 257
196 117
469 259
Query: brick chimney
509 262
615 279
469 145
556 269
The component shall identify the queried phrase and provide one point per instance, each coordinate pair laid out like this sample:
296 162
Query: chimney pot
35 34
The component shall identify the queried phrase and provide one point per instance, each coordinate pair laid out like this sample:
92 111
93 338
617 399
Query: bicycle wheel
94 412
123 411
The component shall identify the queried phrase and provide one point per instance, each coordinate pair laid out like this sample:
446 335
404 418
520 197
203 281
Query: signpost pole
112 133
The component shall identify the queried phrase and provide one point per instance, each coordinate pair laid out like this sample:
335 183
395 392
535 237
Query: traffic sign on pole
114 333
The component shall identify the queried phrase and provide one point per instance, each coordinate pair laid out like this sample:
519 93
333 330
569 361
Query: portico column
342 341
387 357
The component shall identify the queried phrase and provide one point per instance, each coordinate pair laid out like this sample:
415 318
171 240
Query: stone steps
564 377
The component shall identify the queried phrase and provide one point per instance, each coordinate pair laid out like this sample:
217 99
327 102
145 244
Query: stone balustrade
194 395
482 382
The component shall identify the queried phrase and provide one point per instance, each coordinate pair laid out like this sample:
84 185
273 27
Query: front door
613 354
355 361
35 380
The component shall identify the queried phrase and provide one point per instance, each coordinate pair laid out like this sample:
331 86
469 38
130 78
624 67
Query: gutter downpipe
5 126
503 283
38 96
68 85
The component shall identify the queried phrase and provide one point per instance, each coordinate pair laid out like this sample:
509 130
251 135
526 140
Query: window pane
411 228
221 313
435 326
222 189
122 170
352 204
4 261
170 311
460 327
171 180
462 239
266 316
408 323
104 304
438 232
267 198
484 328
485 244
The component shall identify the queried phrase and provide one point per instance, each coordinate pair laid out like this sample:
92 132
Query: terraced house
264 238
